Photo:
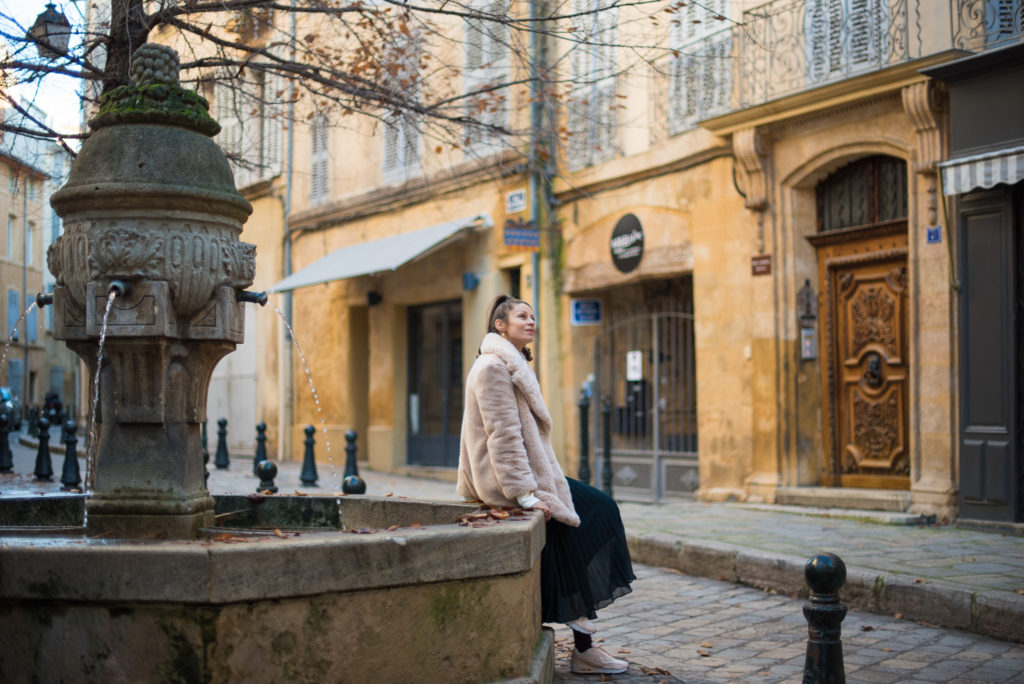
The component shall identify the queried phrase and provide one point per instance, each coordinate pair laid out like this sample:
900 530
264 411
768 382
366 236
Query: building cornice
410 193
614 182
829 96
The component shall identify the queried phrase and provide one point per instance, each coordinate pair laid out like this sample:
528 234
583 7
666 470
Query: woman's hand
541 506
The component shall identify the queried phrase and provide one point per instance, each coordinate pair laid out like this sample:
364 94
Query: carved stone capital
751 147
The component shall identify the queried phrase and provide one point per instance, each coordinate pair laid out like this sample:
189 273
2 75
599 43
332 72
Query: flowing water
90 452
13 334
316 397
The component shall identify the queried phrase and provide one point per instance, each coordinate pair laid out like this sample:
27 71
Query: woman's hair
499 311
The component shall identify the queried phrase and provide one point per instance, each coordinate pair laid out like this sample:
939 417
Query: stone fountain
149 577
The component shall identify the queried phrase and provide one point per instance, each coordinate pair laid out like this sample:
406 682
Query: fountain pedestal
150 201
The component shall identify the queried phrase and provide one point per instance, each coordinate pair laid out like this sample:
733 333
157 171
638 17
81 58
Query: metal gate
646 388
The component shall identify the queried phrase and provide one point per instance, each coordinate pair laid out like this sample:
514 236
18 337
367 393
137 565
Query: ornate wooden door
865 362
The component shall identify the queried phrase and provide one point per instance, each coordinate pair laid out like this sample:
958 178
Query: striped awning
982 170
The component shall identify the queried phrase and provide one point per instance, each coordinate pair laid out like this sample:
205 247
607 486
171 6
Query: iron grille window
700 75
866 192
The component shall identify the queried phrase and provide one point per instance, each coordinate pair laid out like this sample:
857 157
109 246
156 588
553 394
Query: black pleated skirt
585 568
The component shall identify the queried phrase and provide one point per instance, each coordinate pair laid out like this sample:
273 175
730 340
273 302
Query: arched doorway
861 247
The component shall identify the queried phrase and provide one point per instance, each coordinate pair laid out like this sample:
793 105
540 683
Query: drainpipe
286 414
24 289
535 180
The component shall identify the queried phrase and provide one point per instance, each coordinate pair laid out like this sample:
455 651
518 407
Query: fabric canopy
376 256
982 171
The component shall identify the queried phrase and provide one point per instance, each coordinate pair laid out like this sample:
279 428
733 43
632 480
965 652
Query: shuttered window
845 37
593 103
700 73
400 156
486 67
251 111
319 165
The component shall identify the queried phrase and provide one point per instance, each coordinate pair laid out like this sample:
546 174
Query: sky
56 95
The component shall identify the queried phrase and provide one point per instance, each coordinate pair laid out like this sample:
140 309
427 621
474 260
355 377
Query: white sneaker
596 660
583 625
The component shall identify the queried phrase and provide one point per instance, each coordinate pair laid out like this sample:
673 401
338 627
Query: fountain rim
204 571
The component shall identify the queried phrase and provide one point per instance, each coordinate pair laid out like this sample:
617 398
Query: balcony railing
987 24
787 46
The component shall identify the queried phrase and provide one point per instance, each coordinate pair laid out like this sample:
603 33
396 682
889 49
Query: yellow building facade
746 284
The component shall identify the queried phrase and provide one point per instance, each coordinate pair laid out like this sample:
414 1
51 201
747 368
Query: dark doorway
435 384
992 370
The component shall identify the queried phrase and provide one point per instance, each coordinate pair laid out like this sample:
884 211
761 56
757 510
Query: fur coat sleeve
506 449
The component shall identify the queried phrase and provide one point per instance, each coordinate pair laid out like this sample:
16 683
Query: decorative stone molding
924 103
750 146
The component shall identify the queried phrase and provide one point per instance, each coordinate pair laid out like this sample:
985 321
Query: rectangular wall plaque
761 264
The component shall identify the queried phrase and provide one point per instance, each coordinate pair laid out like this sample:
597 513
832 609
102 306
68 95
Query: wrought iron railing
787 46
986 24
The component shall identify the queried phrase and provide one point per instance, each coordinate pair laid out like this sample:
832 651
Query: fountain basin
430 601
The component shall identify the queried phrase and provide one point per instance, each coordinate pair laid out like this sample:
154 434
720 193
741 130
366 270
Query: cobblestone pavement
680 628
936 574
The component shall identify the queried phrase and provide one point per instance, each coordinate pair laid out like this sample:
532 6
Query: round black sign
627 243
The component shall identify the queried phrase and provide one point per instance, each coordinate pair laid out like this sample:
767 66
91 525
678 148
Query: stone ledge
244 568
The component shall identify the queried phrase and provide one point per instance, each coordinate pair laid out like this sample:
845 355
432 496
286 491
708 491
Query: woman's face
520 327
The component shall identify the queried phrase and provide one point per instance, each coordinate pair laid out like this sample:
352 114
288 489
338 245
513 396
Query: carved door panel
865 364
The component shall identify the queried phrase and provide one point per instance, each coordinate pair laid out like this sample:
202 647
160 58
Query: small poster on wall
634 365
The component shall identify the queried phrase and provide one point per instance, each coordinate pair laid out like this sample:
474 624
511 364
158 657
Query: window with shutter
844 37
592 107
319 184
486 66
400 156
13 309
700 74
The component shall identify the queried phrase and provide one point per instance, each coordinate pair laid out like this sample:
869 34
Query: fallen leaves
654 671
920 580
489 515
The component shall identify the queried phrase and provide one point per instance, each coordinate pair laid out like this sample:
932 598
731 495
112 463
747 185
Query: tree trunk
128 30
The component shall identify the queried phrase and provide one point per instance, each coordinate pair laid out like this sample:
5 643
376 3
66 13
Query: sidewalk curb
991 612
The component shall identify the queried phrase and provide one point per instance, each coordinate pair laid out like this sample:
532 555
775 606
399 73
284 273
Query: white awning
377 256
982 171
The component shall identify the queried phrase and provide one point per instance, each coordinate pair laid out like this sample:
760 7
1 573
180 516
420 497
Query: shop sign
627 243
761 264
521 234
586 311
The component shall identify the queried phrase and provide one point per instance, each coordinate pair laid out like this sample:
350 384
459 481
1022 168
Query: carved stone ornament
151 202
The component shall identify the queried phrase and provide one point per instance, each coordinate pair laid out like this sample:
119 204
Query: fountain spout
252 297
43 300
119 287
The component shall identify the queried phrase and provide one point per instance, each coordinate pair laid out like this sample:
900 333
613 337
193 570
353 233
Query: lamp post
51 33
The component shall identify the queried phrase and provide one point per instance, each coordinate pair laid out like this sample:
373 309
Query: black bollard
6 457
606 461
825 574
584 404
267 471
308 475
221 459
352 484
70 476
261 445
44 465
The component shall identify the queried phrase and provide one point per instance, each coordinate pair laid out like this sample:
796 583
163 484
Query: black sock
581 641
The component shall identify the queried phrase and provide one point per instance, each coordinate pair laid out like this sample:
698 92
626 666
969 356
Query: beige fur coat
506 447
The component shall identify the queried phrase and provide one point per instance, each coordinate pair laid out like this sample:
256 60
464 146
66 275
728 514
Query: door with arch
861 248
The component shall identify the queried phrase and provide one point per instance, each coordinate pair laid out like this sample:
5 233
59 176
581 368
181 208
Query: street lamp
51 33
